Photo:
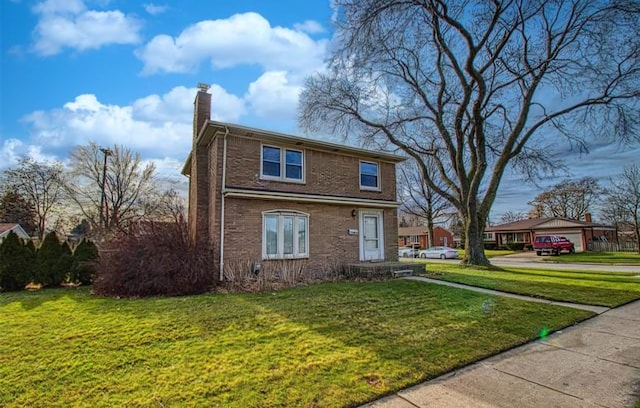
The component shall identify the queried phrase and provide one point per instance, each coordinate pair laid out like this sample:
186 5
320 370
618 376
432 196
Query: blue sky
75 71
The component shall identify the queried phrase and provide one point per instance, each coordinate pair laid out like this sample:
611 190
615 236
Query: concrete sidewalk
592 364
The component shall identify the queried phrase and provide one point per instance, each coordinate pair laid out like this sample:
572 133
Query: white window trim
378 188
280 234
283 165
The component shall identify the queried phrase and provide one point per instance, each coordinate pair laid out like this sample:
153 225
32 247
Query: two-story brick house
258 196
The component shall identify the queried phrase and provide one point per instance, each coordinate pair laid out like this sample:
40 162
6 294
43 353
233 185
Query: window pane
302 235
271 226
271 161
294 171
368 181
288 235
271 169
294 157
369 168
271 154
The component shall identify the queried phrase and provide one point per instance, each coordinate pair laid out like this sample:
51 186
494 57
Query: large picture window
284 164
285 235
369 176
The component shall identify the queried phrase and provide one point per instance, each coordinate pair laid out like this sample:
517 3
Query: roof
422 230
213 127
412 231
6 227
535 223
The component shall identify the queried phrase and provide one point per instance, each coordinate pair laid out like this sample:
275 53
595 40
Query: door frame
380 215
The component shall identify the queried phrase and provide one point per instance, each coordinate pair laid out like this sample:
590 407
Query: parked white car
406 252
439 252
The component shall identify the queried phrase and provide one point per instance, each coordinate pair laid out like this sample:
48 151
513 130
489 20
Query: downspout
222 191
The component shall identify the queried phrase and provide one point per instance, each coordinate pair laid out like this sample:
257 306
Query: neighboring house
578 232
16 228
417 236
256 196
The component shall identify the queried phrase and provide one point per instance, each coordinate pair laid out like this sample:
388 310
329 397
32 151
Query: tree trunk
474 242
430 242
41 227
429 219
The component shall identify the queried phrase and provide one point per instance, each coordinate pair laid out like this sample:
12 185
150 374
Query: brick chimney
199 183
201 109
587 217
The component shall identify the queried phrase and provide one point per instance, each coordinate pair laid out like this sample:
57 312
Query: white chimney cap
203 87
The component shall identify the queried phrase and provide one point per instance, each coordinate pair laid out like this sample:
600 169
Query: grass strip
569 286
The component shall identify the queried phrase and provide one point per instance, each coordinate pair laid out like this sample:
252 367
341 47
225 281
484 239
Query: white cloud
69 24
309 26
272 96
10 152
154 9
156 125
240 39
179 102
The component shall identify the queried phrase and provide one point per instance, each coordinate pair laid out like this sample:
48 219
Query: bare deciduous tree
41 184
568 199
622 201
420 200
131 193
16 209
512 216
479 86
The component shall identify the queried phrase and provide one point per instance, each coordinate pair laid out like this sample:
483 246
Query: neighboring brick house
576 231
410 236
258 196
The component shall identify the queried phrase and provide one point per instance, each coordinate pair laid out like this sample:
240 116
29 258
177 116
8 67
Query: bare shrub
154 259
241 275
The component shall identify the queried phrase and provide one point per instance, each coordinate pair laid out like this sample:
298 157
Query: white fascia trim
309 198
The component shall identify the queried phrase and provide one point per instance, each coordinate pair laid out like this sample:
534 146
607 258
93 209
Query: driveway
531 260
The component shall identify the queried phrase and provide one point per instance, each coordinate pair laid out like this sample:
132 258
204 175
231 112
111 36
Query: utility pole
103 213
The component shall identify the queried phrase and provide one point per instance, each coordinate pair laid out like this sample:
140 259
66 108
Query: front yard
328 345
594 288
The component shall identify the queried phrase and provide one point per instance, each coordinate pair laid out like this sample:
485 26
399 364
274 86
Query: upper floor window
282 164
285 234
369 176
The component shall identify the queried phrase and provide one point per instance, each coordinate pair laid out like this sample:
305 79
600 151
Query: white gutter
309 198
222 191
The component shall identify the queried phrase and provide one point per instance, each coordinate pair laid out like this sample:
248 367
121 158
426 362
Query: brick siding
329 240
325 172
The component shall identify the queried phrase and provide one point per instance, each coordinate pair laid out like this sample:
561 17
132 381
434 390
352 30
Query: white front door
371 236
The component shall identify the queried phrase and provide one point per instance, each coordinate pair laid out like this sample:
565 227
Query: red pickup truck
552 244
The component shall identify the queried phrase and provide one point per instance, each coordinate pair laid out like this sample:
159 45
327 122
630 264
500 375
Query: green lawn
328 345
595 288
597 257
